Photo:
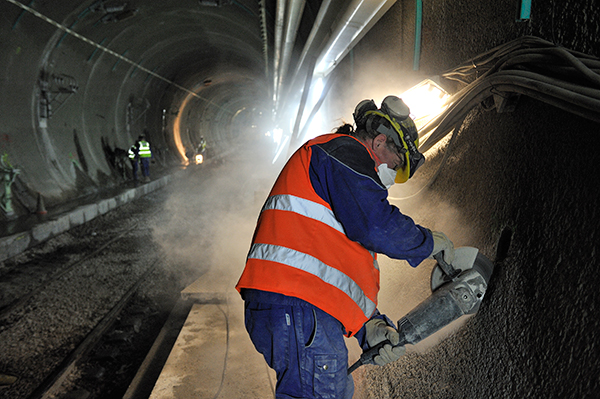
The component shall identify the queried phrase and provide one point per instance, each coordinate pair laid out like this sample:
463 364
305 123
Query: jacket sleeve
343 174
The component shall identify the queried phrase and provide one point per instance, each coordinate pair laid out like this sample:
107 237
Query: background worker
145 155
311 274
133 158
201 146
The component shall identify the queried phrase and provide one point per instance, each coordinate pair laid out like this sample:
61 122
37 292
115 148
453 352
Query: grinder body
457 290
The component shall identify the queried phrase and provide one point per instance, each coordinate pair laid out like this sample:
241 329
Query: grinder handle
368 356
447 268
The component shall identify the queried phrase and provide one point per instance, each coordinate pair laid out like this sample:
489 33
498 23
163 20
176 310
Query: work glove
378 331
441 243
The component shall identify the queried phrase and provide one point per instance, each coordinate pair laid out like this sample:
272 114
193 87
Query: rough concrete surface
535 334
213 355
533 171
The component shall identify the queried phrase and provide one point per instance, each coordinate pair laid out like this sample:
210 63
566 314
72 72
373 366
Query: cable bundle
529 66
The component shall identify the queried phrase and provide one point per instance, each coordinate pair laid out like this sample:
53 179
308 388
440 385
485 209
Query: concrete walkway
27 232
213 356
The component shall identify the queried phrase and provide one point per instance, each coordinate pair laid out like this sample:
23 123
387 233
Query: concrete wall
536 334
100 103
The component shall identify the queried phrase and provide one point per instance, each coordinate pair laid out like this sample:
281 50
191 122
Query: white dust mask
386 175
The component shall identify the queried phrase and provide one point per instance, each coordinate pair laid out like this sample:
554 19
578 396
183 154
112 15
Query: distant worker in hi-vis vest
133 158
144 155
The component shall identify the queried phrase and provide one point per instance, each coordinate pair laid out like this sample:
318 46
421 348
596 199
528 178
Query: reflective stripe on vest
131 153
317 268
305 208
309 209
144 150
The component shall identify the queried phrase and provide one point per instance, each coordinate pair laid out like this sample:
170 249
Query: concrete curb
15 244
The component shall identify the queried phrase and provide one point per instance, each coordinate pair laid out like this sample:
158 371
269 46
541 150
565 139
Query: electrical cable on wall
528 66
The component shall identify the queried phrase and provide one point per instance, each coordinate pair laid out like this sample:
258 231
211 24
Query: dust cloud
209 219
371 77
211 214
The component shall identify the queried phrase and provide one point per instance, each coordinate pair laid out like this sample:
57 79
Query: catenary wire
108 51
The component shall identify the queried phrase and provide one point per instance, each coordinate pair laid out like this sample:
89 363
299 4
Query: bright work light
426 100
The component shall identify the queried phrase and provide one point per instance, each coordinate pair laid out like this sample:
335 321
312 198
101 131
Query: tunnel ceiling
190 42
86 78
190 45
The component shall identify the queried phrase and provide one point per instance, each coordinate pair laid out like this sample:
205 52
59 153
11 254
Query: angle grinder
457 290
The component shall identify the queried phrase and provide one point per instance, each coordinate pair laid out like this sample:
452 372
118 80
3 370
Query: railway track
80 312
19 301
53 384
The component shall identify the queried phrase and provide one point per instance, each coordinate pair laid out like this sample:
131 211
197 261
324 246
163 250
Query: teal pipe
525 9
418 23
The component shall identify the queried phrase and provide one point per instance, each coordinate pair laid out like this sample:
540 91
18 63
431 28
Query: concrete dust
213 212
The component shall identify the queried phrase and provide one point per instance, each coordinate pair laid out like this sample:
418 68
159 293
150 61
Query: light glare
426 101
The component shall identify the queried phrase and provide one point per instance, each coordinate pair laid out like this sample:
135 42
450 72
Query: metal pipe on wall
279 20
294 15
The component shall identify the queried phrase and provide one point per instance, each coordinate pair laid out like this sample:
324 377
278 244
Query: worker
145 155
311 275
201 145
133 158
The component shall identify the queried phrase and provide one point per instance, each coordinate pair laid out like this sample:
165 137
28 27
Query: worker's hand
441 243
378 331
389 354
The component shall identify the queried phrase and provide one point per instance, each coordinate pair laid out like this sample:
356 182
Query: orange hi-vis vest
300 250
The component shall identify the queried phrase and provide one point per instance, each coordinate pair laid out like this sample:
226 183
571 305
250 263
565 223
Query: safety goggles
405 137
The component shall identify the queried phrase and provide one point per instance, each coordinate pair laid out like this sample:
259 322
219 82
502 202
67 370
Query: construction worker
202 145
133 158
311 275
145 155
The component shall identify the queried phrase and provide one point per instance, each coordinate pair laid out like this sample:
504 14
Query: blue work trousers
305 346
145 166
134 166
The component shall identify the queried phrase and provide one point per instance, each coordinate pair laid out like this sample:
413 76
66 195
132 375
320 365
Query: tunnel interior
112 70
81 80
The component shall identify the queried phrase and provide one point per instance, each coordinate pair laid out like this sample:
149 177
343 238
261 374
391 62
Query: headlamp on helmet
394 121
395 108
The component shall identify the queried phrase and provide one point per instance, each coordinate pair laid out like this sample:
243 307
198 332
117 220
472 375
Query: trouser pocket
330 359
328 378
269 330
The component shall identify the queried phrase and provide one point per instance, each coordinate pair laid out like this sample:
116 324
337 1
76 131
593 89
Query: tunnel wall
536 334
71 148
100 103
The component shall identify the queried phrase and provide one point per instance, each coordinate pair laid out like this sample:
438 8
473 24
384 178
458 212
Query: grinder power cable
457 290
